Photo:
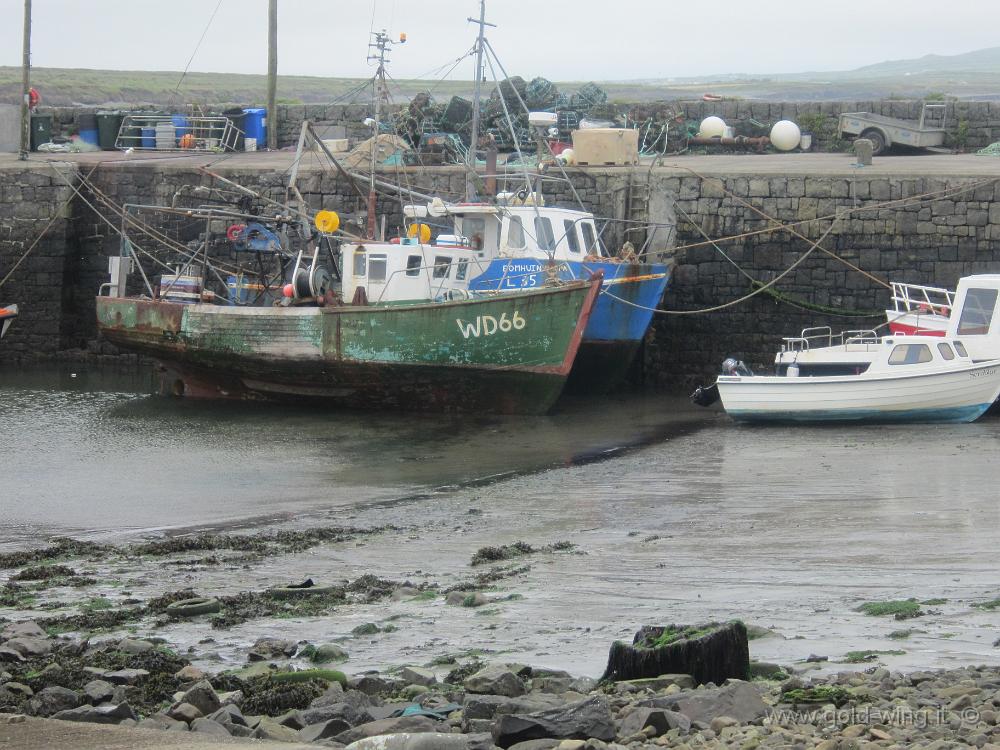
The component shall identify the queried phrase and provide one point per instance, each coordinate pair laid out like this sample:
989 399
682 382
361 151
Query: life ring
34 98
194 607
234 231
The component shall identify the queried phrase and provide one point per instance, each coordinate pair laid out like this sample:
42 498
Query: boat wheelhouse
516 244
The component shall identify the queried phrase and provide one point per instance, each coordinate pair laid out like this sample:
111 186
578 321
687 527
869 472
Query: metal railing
209 134
821 336
925 300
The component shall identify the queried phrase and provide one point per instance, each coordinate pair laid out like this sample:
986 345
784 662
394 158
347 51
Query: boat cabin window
376 268
910 354
359 264
413 265
442 265
946 351
960 348
543 233
474 227
977 312
571 238
463 269
589 238
515 232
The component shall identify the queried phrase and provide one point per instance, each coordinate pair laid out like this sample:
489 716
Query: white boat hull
953 395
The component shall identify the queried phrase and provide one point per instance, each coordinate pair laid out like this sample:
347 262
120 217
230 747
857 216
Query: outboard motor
733 366
706 395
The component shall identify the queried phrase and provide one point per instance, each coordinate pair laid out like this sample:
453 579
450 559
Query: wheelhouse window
571 238
413 265
589 238
910 354
360 264
960 348
376 267
474 229
515 232
442 265
543 233
977 312
462 270
946 351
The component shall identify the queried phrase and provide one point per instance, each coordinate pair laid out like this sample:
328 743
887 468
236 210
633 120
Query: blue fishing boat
513 244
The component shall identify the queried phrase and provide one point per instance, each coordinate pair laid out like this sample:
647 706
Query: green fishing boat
501 353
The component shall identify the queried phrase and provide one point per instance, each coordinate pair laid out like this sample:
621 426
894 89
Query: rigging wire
198 46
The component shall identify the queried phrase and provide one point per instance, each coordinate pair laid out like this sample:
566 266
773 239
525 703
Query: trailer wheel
877 139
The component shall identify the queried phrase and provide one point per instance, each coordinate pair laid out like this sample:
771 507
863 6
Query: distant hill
928 67
979 61
972 75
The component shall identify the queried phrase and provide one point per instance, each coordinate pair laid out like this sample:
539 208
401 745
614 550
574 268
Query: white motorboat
901 379
971 314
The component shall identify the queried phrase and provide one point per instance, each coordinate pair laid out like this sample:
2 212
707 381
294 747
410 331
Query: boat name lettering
983 373
487 325
521 268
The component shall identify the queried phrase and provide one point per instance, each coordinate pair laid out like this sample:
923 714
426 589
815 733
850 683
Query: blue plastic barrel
87 125
181 125
148 139
255 125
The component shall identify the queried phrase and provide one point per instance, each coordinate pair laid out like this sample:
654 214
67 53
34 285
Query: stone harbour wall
937 229
44 283
932 240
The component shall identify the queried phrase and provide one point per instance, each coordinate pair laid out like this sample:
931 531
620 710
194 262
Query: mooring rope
732 303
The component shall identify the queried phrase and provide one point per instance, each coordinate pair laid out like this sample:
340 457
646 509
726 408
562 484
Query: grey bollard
863 151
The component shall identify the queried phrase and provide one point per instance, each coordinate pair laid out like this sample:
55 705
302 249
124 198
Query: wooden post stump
709 653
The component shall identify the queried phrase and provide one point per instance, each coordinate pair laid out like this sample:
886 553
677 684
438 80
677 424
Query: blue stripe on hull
611 320
950 415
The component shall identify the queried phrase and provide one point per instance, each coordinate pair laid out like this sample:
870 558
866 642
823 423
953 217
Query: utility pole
470 188
272 74
26 85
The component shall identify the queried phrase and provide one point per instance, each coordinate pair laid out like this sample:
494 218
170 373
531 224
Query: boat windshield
977 312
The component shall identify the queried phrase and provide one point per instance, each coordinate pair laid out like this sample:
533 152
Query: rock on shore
510 706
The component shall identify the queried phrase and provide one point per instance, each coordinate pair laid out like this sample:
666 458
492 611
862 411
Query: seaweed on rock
709 653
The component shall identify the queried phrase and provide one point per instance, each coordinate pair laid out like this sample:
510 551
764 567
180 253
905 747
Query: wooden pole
272 74
26 85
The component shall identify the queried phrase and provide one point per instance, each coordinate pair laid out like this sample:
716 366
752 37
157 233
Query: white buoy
711 127
569 156
785 135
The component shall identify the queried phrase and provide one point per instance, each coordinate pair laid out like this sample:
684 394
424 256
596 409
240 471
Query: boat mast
377 52
470 188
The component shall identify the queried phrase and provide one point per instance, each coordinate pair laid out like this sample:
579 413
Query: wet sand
688 518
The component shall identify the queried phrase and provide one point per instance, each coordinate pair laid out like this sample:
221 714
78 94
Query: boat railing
926 300
821 336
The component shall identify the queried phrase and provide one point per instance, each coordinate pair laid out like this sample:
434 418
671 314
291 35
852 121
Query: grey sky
559 39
